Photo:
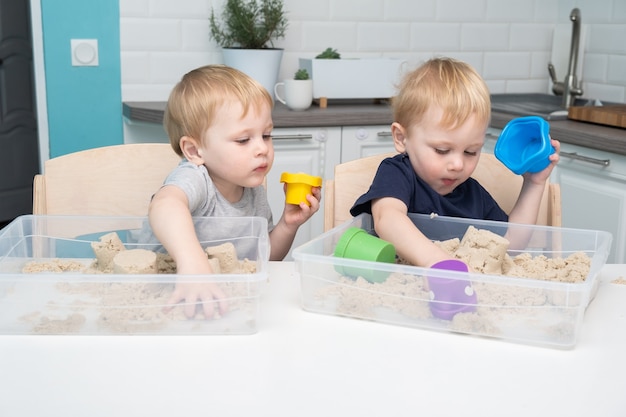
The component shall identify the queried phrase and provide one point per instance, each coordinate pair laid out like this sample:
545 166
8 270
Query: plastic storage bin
514 308
84 300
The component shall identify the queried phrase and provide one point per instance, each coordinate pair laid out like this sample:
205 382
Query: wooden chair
114 180
353 178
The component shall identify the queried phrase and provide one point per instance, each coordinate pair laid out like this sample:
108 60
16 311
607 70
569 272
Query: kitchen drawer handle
384 134
574 155
297 136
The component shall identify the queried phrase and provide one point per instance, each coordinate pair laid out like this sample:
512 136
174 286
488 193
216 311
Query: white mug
298 93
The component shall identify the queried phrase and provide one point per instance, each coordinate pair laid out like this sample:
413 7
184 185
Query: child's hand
542 176
196 296
296 215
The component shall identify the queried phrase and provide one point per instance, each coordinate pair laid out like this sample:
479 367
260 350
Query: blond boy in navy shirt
441 115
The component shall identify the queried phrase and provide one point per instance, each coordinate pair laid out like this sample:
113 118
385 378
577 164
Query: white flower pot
261 64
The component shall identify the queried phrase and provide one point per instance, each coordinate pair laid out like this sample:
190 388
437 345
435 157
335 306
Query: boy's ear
191 150
399 136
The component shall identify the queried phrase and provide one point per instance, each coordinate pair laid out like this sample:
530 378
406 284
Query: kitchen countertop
362 113
307 364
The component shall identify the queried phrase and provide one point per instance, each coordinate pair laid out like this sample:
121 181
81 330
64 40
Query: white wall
508 41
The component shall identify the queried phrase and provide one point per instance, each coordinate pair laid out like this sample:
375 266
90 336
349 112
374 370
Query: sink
533 104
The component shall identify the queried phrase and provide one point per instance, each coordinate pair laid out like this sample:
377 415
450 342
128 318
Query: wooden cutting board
613 115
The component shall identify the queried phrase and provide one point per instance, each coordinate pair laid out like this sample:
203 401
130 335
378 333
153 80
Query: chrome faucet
570 88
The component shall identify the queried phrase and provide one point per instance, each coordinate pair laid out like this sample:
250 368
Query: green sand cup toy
298 186
357 244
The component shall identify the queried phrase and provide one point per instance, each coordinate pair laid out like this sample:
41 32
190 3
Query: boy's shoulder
398 159
189 176
399 162
186 167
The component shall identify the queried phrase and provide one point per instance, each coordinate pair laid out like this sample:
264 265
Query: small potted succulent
329 53
298 91
301 74
246 31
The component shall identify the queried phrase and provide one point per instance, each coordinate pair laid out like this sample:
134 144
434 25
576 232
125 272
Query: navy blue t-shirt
396 178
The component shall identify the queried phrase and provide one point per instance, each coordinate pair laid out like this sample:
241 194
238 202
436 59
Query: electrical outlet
84 52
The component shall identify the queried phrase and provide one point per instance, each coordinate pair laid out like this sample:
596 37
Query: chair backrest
353 178
114 180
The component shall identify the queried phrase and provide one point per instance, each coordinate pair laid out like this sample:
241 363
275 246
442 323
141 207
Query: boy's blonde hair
199 94
452 85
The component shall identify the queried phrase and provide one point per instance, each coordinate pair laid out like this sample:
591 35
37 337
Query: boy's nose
455 163
262 146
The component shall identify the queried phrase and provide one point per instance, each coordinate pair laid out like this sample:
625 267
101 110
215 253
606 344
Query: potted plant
329 53
298 91
246 31
301 74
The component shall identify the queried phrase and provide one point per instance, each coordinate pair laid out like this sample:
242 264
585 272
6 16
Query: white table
305 364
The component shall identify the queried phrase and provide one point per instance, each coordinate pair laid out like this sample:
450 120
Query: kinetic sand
134 306
484 252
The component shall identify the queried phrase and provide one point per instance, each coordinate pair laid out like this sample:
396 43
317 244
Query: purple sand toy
450 296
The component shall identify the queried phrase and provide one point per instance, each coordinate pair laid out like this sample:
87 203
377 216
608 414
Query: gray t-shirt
206 201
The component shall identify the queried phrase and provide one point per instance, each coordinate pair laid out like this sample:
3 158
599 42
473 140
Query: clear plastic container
79 298
520 309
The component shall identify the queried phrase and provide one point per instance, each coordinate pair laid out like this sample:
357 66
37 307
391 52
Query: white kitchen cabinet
360 141
593 193
314 151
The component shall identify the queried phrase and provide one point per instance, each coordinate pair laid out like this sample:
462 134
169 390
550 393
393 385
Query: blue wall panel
84 103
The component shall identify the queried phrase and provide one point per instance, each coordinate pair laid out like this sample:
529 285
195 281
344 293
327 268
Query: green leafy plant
301 74
329 53
252 24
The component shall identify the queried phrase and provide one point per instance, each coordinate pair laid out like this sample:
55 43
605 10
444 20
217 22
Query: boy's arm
172 224
526 208
525 211
392 224
283 234
281 239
